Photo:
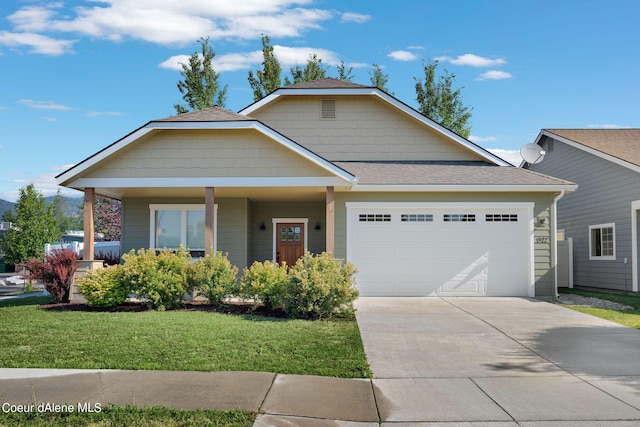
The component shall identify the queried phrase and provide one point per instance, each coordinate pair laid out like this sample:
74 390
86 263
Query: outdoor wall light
542 221
317 227
262 226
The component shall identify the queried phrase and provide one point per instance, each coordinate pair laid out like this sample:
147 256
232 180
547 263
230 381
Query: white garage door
441 250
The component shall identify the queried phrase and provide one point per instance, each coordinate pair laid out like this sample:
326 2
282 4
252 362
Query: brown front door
289 242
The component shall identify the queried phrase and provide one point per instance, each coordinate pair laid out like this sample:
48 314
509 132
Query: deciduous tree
440 102
35 225
265 81
378 78
200 87
344 73
314 70
108 218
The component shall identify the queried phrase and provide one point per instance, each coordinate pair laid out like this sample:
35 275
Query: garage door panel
419 257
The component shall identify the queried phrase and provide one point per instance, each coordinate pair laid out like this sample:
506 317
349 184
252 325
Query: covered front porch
249 223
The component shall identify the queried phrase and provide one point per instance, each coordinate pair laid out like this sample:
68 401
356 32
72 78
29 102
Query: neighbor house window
175 225
602 244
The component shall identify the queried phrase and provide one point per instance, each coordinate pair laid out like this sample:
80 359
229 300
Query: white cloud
169 22
415 47
472 60
511 156
480 139
608 126
43 105
494 75
50 119
45 183
37 42
288 57
402 55
1 146
355 17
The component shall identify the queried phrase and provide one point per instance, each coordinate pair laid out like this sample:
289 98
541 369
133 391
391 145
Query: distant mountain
70 205
5 206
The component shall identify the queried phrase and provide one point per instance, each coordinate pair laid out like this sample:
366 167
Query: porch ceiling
264 194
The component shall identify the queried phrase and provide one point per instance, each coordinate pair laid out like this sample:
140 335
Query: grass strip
629 318
131 416
177 340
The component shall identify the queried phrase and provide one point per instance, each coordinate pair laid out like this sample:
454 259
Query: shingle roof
621 143
444 173
213 114
326 83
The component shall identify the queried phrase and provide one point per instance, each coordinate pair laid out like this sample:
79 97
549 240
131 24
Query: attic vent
328 109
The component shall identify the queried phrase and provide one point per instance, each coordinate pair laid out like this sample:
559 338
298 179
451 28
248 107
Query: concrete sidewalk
280 399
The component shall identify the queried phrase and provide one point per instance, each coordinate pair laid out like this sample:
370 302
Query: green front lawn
629 318
177 340
132 416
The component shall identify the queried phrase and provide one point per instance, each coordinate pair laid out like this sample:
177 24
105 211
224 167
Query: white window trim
635 211
183 222
602 257
275 221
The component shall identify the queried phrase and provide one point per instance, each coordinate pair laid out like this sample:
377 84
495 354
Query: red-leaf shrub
56 272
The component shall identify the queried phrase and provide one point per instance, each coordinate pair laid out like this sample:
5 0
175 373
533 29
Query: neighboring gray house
602 214
333 166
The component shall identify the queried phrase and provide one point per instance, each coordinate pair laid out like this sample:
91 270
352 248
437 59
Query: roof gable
213 118
620 146
334 87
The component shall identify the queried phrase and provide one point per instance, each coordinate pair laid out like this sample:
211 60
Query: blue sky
78 75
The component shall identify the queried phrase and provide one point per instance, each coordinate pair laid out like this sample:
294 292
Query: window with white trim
459 218
175 225
416 217
501 218
602 241
374 218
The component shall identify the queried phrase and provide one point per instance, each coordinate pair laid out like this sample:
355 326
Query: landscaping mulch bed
237 308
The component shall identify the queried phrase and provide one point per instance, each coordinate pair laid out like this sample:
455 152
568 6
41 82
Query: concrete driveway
507 361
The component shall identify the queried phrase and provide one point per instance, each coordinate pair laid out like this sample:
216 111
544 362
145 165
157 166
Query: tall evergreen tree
344 73
268 79
378 78
35 225
440 102
314 70
200 87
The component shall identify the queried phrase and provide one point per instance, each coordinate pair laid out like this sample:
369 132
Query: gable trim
69 174
486 155
293 181
597 153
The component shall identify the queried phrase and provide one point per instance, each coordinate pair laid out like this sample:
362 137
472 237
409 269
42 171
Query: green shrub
104 287
263 282
214 277
319 286
160 279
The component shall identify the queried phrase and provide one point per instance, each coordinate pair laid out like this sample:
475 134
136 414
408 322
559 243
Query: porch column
330 221
209 220
89 202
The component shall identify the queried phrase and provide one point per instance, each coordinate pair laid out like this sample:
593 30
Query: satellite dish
532 153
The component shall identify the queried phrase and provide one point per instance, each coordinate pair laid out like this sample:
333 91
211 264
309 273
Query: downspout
554 239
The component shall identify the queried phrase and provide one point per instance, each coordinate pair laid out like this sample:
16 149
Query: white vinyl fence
112 248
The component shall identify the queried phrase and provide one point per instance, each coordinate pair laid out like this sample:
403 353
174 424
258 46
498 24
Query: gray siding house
602 214
333 166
